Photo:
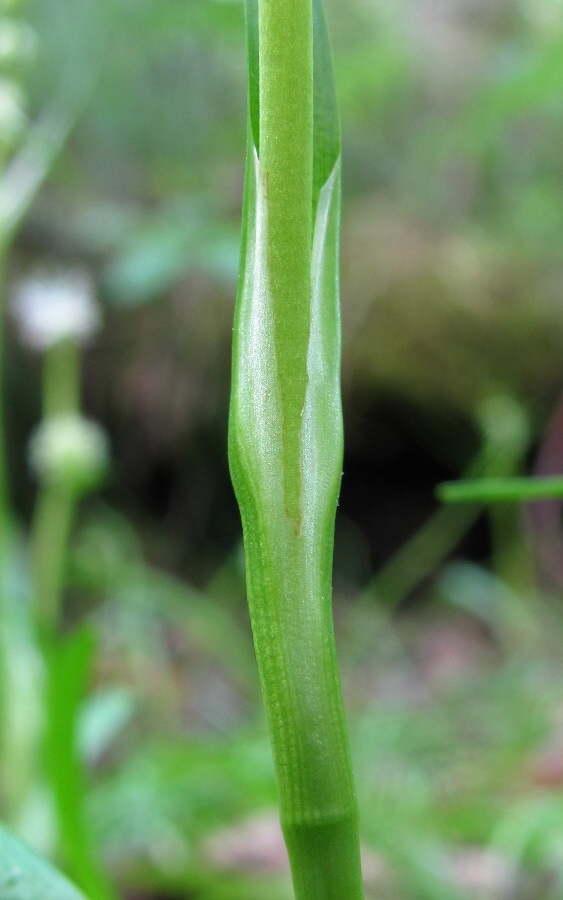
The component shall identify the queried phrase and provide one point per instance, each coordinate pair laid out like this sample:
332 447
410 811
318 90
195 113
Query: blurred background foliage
449 621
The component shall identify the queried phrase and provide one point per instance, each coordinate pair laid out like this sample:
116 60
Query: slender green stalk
507 436
286 172
56 501
61 379
20 675
21 706
5 509
67 659
502 490
52 523
21 662
505 440
285 435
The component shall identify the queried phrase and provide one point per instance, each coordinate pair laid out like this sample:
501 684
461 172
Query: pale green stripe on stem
285 49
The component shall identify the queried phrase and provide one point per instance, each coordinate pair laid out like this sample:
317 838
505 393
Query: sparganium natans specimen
285 436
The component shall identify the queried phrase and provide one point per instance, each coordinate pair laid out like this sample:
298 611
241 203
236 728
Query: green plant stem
52 522
502 490
67 660
5 512
16 730
55 505
21 702
437 537
286 162
285 445
61 379
506 433
56 500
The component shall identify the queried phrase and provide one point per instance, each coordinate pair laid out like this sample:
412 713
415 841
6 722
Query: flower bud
70 451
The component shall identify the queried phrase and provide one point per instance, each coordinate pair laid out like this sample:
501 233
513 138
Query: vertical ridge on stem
285 53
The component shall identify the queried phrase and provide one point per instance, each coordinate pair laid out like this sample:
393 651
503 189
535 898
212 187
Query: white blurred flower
69 450
12 116
53 307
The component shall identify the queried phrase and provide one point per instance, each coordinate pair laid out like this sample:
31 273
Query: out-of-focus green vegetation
453 332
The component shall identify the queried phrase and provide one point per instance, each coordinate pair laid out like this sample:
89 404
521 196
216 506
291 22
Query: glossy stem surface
285 440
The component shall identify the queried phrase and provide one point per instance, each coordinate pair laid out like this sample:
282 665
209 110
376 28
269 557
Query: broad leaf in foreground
25 876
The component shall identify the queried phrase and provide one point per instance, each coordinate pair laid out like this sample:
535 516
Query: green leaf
253 72
326 122
501 490
68 671
25 876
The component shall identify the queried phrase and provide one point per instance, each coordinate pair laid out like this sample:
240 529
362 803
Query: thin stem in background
51 528
61 379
